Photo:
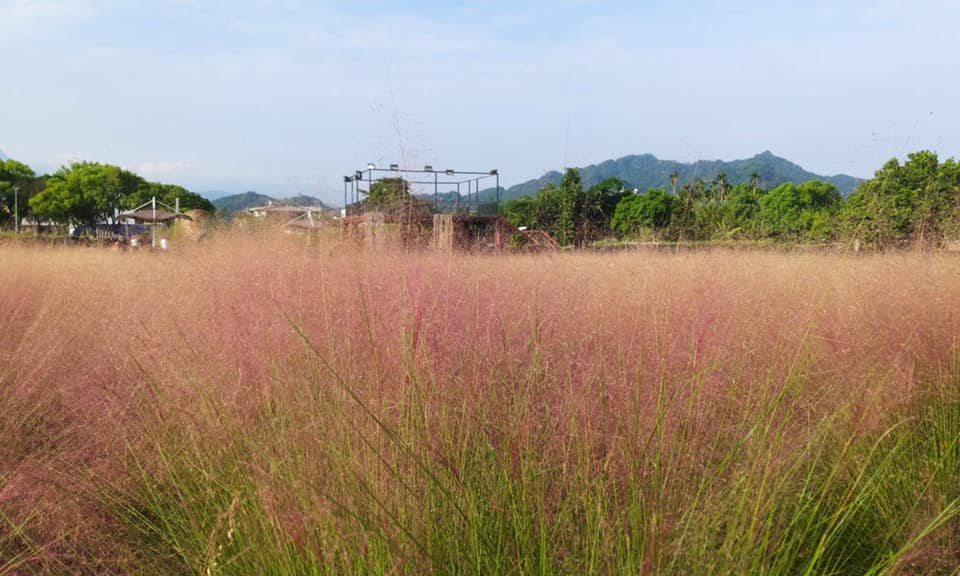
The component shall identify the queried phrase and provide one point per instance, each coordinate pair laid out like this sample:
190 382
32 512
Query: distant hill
647 171
247 200
3 156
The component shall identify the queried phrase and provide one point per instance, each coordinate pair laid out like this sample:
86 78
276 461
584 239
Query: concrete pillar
443 232
374 230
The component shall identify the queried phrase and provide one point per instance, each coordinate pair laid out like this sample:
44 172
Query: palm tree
722 185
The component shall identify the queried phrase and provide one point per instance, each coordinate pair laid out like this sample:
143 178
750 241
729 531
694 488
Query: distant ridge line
644 171
242 202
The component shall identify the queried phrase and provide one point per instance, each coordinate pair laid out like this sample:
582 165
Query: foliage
804 211
88 193
649 211
599 207
521 212
168 194
739 215
394 195
388 193
18 184
692 212
570 215
917 201
567 212
85 193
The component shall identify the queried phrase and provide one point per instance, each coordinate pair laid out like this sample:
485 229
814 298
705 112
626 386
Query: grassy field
271 407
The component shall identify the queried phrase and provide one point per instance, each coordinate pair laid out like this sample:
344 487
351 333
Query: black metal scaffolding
450 181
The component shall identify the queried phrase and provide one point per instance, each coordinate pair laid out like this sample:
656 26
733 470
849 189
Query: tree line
82 194
917 201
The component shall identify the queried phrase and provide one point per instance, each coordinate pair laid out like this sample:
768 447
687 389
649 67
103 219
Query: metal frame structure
447 178
153 219
16 208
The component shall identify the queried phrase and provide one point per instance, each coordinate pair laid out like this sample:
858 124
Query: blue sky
286 96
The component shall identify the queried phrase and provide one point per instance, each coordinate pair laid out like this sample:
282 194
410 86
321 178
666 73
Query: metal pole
153 229
16 208
436 204
498 192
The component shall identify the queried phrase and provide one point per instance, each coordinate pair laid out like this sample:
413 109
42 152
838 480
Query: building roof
153 216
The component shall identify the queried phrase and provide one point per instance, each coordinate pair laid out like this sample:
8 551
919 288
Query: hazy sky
285 97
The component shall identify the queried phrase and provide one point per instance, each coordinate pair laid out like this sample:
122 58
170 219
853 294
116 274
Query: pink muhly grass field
274 406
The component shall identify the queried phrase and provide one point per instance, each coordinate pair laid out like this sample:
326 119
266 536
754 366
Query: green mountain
647 171
247 200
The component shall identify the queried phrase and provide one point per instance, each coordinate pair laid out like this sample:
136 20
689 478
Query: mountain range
647 171
639 171
247 200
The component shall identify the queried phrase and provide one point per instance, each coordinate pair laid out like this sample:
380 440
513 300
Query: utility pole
16 209
153 228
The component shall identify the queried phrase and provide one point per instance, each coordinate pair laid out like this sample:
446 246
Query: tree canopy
17 184
918 200
85 193
637 212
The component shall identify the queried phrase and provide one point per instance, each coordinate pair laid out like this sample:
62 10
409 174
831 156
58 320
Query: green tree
639 212
918 201
547 209
719 188
89 193
85 193
599 204
18 184
567 212
739 215
388 194
521 212
571 203
168 194
687 215
797 212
